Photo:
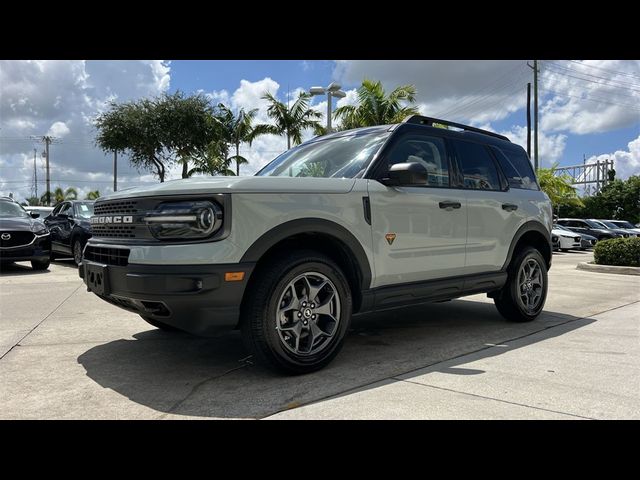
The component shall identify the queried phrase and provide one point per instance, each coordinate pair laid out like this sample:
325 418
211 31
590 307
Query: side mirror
406 174
34 214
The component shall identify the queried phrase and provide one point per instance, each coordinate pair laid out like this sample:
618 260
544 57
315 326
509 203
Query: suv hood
17 224
239 185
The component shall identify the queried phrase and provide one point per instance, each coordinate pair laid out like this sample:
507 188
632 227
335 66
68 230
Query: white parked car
568 240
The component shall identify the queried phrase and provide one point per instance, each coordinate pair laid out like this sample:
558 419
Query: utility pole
529 119
35 173
535 112
47 142
115 170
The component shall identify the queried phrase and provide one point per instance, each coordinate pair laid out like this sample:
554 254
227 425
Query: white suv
360 220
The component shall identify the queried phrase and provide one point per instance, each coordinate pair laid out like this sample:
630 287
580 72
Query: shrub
624 252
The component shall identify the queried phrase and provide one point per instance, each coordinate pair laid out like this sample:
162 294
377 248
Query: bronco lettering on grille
112 219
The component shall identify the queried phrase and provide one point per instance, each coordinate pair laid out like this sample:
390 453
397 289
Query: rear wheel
523 296
296 317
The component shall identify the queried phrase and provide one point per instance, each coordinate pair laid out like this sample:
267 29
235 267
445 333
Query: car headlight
42 231
185 220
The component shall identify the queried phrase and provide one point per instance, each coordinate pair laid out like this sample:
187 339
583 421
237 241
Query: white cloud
58 129
626 162
61 98
551 146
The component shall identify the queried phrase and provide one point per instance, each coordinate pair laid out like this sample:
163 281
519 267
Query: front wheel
298 312
40 265
77 251
523 296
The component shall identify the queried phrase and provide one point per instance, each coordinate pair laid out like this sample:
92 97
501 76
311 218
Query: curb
592 267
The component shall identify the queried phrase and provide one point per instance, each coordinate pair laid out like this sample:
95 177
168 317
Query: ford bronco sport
361 220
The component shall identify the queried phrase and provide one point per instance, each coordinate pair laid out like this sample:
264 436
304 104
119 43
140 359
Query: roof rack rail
421 120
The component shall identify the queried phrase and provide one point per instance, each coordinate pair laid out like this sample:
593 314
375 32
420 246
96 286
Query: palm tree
214 160
558 188
69 194
375 107
93 195
290 121
238 129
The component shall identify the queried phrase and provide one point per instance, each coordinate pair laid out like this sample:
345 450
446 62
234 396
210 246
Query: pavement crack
40 322
493 398
197 387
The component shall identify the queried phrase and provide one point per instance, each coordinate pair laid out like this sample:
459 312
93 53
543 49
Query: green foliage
212 160
619 200
290 121
156 133
236 130
558 188
95 194
375 107
618 251
313 169
32 201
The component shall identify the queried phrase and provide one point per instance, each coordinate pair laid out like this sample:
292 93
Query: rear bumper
194 298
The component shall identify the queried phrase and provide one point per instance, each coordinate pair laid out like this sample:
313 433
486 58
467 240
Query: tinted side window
478 170
518 177
522 172
429 152
66 209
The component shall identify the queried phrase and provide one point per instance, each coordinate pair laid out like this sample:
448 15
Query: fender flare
527 227
312 225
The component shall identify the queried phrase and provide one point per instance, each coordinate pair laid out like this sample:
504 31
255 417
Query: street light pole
333 90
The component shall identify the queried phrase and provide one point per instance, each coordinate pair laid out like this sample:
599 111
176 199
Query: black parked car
70 228
22 237
589 227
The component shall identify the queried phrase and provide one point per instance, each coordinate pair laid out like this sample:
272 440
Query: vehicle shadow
176 373
21 268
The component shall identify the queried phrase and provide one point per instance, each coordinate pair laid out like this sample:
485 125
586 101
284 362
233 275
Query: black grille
113 231
17 239
110 256
121 207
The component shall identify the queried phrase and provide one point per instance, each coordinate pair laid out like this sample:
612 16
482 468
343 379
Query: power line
626 74
621 83
593 81
596 100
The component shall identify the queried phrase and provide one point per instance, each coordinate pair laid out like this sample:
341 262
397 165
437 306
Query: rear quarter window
517 168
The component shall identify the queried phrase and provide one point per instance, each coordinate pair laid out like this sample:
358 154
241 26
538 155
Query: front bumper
194 298
39 250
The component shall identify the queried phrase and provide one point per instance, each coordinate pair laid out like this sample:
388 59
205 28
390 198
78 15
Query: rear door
419 232
495 212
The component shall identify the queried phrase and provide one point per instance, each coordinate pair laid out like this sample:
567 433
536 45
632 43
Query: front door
419 232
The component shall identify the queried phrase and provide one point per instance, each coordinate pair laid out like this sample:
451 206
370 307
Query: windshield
337 157
84 210
623 224
594 224
609 224
10 209
560 227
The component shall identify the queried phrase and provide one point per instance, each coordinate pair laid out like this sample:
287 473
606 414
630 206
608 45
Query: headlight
184 220
42 231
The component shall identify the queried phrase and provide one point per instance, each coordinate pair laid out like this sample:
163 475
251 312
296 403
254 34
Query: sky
588 108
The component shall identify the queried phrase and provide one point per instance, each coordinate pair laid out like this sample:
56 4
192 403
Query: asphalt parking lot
65 354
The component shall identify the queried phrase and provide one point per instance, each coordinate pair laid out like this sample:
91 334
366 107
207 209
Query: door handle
509 207
449 204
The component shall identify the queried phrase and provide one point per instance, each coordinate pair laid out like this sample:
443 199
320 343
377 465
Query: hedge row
624 252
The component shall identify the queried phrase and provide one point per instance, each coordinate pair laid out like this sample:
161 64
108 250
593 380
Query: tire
297 335
160 325
509 301
76 250
38 265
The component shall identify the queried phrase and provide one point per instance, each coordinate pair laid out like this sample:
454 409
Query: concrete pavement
64 353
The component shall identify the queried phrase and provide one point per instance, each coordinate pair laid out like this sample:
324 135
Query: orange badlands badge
390 237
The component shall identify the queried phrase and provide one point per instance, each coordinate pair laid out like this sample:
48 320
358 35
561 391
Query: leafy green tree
156 133
212 160
32 201
290 121
558 188
376 107
95 194
46 197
